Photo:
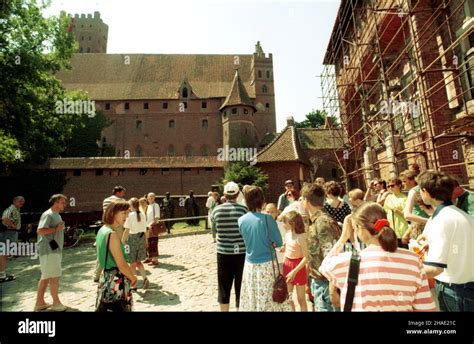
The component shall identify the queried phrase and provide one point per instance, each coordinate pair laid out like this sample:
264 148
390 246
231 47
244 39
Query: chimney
290 121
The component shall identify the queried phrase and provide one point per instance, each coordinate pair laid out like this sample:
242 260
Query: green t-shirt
466 202
416 206
397 221
101 244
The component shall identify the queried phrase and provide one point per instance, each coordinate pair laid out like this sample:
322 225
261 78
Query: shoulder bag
114 293
280 289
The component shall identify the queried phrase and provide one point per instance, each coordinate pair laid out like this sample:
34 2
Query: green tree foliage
316 119
86 140
245 174
32 49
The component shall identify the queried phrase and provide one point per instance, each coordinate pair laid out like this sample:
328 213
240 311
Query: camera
53 244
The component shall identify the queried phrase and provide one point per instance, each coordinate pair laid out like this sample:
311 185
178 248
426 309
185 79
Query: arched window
205 151
171 151
185 92
171 124
268 74
264 89
205 124
188 151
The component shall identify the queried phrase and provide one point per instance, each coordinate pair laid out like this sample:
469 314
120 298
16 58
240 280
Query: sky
295 32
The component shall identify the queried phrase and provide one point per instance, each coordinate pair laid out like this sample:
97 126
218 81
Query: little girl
296 250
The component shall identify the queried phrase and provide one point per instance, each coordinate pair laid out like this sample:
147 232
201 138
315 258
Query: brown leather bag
157 228
280 288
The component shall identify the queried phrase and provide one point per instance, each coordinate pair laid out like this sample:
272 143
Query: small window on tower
127 106
107 106
264 89
234 111
145 106
205 123
246 111
139 125
204 105
259 73
171 124
165 105
268 74
267 105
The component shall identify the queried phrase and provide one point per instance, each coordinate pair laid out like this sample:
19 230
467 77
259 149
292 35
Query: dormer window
185 92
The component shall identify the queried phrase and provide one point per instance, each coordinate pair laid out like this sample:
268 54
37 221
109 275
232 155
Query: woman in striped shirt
390 278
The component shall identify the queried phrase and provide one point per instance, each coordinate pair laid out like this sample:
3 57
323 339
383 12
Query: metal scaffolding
391 87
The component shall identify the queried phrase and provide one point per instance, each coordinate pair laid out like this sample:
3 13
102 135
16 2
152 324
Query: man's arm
433 271
47 230
9 223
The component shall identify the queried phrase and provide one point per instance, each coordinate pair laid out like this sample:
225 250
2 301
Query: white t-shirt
133 225
209 202
149 213
450 237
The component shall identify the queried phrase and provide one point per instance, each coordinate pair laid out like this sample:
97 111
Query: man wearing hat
282 200
230 246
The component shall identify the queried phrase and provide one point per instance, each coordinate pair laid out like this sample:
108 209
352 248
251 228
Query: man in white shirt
450 237
152 217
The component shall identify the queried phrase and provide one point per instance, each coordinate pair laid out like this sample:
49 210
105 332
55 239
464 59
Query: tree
243 173
86 140
32 49
316 119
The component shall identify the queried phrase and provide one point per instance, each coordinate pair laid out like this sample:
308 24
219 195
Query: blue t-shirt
253 229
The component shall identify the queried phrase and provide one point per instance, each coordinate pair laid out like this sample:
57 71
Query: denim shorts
320 291
455 297
8 237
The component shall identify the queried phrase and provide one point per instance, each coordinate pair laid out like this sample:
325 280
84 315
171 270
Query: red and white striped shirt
388 281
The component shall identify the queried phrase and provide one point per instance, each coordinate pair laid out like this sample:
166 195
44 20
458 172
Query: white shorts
50 265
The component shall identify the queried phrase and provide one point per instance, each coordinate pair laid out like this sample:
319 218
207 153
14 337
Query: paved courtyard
185 280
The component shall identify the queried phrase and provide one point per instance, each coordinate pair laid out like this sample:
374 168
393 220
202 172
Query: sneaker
42 307
59 308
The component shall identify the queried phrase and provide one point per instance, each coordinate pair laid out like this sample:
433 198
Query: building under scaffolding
400 76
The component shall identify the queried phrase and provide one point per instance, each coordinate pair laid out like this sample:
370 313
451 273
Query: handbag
114 293
157 228
280 289
352 278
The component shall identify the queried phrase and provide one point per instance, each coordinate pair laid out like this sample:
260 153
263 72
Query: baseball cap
289 181
231 188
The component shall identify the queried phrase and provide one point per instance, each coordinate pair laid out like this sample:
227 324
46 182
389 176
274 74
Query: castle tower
263 82
91 33
238 114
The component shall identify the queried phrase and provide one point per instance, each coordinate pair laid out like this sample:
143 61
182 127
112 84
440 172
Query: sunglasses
391 186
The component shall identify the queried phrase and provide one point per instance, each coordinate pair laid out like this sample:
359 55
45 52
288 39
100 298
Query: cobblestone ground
185 280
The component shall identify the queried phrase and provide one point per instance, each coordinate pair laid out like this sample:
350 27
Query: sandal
146 283
7 278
